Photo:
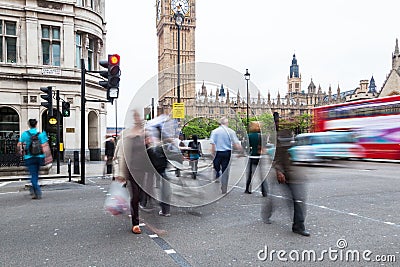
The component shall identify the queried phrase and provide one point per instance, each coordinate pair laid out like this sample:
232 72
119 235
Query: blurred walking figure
109 154
290 180
256 151
163 130
34 145
194 154
179 143
131 158
223 140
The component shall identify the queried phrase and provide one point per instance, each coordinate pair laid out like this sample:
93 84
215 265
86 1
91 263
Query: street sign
178 110
53 121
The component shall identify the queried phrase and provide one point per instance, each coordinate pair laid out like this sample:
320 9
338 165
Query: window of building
90 54
296 85
79 2
8 42
78 50
9 125
51 45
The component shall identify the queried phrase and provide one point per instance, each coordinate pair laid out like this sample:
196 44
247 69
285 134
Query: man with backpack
32 144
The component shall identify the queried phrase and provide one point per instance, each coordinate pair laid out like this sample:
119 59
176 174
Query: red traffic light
113 59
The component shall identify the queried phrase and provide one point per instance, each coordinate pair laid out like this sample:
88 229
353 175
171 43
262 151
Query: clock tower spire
294 78
167 33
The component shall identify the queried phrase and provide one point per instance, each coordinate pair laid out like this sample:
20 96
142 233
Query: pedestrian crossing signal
65 109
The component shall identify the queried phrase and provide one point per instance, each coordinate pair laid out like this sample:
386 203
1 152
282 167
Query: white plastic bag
117 201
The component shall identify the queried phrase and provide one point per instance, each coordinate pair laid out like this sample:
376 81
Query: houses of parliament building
223 101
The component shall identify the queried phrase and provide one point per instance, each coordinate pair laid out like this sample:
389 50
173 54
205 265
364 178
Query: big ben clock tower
167 32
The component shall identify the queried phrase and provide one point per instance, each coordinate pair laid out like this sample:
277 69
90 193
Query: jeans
221 163
33 165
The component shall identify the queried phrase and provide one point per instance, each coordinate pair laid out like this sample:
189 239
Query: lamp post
179 18
247 77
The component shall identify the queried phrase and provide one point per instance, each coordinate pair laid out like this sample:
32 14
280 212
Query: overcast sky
336 42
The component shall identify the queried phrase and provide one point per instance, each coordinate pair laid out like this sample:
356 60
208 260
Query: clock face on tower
182 4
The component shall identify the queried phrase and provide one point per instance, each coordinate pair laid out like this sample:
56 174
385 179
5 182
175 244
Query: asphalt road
353 209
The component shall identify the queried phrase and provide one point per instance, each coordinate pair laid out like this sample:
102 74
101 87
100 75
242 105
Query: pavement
92 169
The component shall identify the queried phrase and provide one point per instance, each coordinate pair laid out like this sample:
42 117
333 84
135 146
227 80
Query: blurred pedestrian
163 131
109 154
178 142
131 156
223 140
256 151
34 145
194 154
290 179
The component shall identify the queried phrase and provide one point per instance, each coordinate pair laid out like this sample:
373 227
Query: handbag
48 158
117 201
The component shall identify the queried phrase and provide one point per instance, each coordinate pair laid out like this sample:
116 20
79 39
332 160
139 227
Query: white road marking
4 183
339 211
170 251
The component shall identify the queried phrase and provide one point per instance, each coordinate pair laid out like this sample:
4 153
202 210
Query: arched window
9 123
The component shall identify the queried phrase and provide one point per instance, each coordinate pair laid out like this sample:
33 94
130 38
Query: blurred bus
376 123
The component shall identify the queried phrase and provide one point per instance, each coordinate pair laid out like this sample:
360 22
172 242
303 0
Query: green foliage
202 127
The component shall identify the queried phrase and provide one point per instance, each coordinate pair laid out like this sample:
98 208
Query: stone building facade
224 101
391 86
42 43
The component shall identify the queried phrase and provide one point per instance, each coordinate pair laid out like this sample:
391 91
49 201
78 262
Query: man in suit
109 153
290 180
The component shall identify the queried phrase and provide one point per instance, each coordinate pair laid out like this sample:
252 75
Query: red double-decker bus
375 122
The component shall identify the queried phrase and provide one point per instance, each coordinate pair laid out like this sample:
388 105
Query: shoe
302 232
136 229
247 192
267 221
36 197
164 214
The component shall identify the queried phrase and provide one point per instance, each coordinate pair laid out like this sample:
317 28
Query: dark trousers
221 163
295 196
165 191
297 192
250 171
109 165
134 192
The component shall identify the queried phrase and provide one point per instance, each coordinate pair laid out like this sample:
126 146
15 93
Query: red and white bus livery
375 122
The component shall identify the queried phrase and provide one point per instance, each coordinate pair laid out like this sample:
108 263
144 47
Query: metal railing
9 156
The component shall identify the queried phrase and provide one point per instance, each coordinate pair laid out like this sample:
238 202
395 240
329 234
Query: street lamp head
179 17
247 75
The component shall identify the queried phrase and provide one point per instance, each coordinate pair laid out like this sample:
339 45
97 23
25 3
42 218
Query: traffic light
148 116
112 75
49 99
65 109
